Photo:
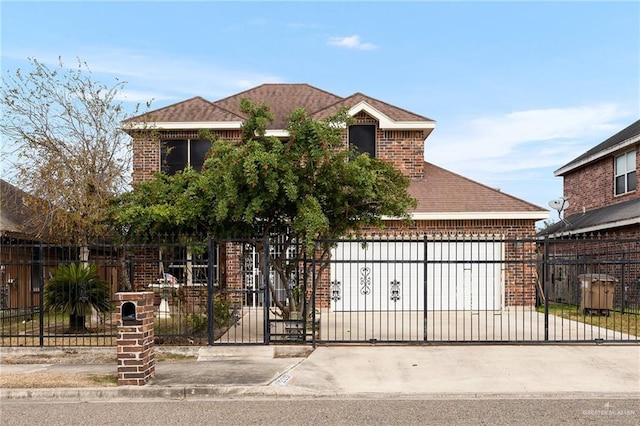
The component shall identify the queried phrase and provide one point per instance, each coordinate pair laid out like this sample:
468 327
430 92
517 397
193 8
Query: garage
392 275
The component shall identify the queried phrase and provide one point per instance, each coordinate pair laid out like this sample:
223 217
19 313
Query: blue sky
517 89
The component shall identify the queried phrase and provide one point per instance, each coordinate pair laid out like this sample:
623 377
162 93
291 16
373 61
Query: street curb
152 392
267 392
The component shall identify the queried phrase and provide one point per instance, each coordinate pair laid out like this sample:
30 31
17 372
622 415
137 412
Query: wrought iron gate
409 289
456 289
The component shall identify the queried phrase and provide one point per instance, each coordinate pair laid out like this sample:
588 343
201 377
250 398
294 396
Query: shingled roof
393 112
625 137
194 109
16 217
605 218
282 100
444 193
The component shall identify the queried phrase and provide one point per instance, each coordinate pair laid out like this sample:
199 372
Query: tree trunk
76 322
124 284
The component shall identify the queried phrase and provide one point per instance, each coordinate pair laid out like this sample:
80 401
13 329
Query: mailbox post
135 352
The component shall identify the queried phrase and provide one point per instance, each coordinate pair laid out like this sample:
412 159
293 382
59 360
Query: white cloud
519 151
141 96
525 139
157 76
352 42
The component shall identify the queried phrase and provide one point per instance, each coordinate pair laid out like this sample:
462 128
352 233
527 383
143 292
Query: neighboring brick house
29 251
600 230
19 278
447 202
25 243
601 187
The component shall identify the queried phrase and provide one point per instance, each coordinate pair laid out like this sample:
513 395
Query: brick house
19 278
447 202
29 251
601 187
600 231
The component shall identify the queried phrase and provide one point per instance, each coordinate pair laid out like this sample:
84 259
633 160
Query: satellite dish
560 204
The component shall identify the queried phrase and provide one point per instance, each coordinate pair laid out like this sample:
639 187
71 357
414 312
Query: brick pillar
136 357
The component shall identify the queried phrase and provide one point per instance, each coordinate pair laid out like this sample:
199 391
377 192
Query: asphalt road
326 411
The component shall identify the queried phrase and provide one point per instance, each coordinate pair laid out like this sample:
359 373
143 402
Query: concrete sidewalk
470 371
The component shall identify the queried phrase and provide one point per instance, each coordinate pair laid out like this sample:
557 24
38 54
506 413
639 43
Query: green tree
304 190
75 289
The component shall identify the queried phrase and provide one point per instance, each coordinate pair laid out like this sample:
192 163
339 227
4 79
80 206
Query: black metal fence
421 289
27 268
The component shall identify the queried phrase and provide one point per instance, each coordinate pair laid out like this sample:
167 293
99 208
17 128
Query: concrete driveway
518 325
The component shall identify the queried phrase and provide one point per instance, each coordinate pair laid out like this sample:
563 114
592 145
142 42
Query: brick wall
617 255
510 228
135 352
404 149
592 186
146 267
147 149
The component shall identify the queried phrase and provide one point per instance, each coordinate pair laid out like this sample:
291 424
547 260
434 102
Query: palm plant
75 289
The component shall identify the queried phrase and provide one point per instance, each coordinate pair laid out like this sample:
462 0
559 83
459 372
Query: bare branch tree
63 136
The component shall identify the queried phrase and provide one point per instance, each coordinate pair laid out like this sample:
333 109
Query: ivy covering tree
304 190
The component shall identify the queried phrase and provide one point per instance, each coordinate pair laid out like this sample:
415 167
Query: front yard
627 322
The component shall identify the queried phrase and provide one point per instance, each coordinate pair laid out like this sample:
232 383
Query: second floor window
363 137
180 153
625 173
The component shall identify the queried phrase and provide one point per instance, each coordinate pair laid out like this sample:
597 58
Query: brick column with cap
135 352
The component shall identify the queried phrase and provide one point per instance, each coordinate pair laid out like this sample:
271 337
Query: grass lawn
628 322
24 329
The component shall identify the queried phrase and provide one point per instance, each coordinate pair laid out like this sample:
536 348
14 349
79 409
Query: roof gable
358 102
442 192
625 137
282 99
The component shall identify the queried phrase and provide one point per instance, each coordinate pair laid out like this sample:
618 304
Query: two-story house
447 202
601 187
601 225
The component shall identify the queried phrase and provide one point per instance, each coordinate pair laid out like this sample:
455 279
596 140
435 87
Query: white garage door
391 276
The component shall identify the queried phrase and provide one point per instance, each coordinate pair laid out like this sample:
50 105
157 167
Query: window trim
617 174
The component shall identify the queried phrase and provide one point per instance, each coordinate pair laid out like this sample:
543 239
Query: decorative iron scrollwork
394 290
365 281
247 266
336 291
